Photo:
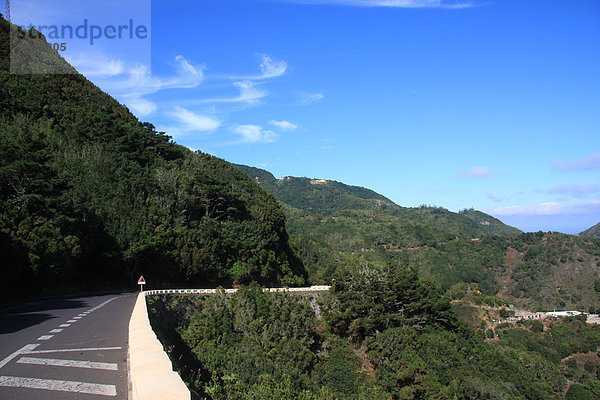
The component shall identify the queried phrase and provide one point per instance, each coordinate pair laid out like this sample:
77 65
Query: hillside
533 270
593 232
91 197
324 198
382 334
316 196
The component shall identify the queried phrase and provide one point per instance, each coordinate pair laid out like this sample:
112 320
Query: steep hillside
90 196
593 232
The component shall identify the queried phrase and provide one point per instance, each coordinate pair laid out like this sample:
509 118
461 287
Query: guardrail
310 289
150 370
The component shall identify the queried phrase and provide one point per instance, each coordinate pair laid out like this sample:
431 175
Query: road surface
63 349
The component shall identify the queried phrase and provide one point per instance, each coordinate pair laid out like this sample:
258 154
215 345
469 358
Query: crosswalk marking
68 363
23 350
58 385
69 350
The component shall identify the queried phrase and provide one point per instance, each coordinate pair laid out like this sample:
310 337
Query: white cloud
480 172
575 190
549 208
578 164
271 68
249 94
309 98
192 122
494 198
140 81
96 65
130 85
284 125
141 107
537 209
390 3
254 134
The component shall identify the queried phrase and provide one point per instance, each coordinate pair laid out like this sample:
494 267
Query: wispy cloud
309 98
283 125
578 164
271 68
193 122
96 65
185 122
389 3
575 190
249 93
254 134
495 198
549 208
132 85
480 173
141 106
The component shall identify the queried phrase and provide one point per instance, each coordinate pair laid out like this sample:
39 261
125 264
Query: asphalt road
72 348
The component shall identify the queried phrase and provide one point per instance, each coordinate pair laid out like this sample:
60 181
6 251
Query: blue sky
493 105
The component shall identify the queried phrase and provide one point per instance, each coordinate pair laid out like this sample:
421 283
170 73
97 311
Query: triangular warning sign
141 281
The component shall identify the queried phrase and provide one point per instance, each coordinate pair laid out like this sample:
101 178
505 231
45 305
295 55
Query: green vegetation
335 227
91 198
329 197
385 333
593 232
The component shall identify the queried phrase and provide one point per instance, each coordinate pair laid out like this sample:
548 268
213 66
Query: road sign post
141 282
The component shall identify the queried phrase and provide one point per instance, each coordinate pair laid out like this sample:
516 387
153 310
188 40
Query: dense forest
90 197
382 334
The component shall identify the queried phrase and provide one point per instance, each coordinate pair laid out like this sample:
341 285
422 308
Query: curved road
72 348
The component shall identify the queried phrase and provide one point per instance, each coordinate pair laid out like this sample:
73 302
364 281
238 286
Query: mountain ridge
325 197
592 232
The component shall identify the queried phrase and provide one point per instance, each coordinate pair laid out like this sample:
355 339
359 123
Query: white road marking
23 350
71 321
68 363
56 330
69 350
45 337
102 304
77 317
64 325
82 315
62 386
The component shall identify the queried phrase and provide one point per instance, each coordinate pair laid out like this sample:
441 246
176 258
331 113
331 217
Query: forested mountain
90 196
323 197
533 270
594 231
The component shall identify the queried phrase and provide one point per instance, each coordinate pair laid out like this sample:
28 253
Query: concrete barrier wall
150 371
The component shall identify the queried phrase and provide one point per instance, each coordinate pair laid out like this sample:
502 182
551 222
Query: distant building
318 181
